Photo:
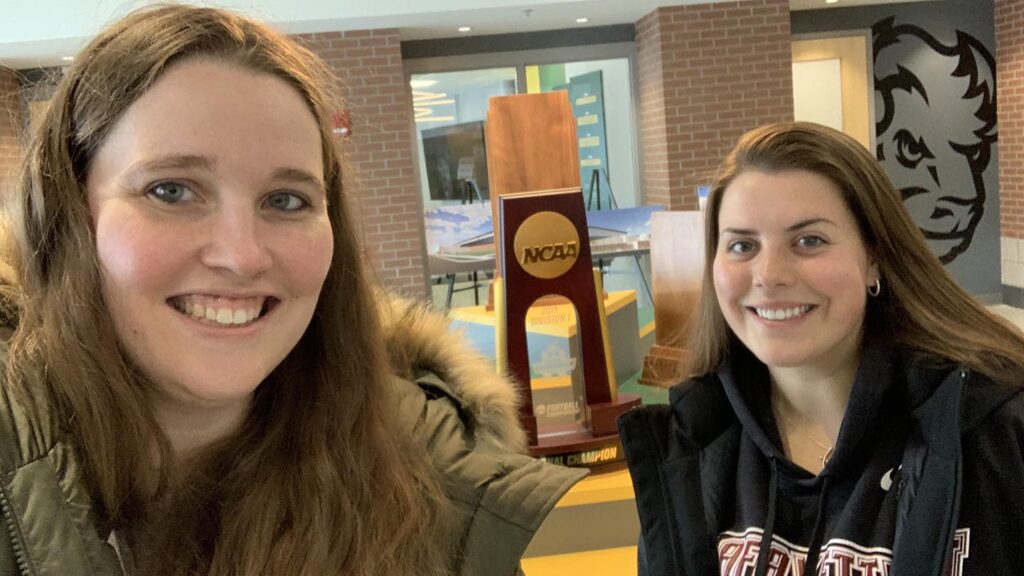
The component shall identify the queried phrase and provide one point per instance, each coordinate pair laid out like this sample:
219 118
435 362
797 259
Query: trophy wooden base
598 449
663 366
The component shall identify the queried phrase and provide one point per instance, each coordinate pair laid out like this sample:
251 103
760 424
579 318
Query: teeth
219 311
783 313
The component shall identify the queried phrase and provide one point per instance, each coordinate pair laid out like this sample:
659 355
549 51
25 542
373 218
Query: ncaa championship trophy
544 250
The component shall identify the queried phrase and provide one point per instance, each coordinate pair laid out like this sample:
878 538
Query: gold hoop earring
875 289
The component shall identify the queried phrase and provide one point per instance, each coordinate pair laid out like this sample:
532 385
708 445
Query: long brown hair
920 307
316 481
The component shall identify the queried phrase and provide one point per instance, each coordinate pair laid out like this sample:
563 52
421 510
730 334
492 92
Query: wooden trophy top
531 145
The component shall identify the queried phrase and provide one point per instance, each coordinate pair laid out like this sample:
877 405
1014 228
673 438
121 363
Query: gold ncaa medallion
546 245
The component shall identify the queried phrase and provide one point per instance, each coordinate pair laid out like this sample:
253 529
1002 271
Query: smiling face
211 229
791 271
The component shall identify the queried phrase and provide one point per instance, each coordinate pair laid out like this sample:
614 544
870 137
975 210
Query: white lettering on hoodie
738 552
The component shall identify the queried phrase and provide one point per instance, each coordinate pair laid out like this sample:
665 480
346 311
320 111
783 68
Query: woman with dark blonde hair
848 403
199 379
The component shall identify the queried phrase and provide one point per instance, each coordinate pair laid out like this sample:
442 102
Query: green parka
449 397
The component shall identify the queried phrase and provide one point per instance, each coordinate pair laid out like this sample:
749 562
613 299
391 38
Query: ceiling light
67 58
582 20
831 1
464 29
422 83
429 103
424 96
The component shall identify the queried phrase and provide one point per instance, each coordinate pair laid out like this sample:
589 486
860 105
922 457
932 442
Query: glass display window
449 110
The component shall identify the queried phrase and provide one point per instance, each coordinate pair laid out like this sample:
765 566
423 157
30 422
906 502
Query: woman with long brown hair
199 379
850 410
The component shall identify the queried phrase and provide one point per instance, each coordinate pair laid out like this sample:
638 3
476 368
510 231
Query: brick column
11 116
381 162
707 74
1009 19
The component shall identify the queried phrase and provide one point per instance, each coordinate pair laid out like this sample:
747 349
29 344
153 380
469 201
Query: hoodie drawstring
769 522
814 549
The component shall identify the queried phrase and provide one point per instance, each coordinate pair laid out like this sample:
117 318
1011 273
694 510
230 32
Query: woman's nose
773 267
236 244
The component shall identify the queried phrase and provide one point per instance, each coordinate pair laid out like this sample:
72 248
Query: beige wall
11 148
852 53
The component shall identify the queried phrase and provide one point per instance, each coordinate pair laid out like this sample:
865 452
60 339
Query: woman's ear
874 275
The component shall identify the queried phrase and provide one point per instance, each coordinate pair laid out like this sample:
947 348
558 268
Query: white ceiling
40 32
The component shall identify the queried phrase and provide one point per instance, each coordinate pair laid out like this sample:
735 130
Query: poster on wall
461 237
586 94
935 123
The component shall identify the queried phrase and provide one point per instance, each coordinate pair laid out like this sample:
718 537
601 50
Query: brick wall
381 160
10 125
1009 18
707 73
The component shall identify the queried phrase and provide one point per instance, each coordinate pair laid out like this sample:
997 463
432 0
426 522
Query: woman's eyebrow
170 162
739 231
809 222
793 228
298 176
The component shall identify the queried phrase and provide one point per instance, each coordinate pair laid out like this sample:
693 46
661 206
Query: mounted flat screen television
456 161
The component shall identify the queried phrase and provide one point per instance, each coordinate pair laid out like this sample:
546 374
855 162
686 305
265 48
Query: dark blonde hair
920 308
316 481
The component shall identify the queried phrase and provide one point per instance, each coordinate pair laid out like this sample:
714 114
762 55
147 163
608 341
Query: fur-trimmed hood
419 339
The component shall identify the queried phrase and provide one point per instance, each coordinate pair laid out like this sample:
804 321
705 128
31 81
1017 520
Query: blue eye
286 202
169 192
811 242
740 247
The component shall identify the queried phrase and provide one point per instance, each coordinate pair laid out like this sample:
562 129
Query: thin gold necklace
828 449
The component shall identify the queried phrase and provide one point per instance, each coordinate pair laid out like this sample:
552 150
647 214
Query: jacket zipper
950 540
20 556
